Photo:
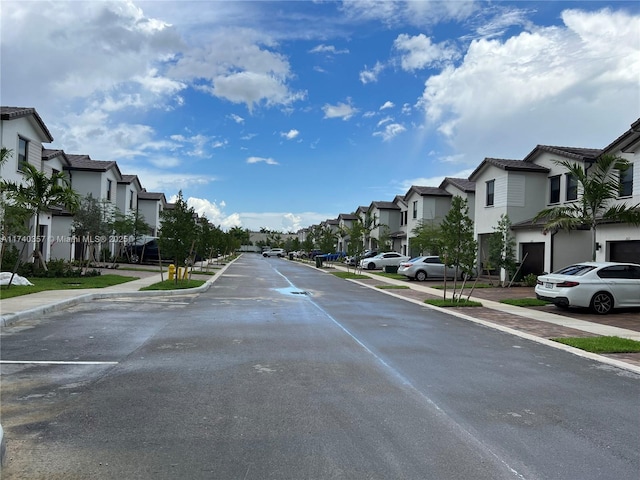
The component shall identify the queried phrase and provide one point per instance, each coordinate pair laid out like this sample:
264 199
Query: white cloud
422 13
387 104
371 75
421 52
390 131
554 85
385 120
236 118
328 49
290 135
406 184
268 161
341 110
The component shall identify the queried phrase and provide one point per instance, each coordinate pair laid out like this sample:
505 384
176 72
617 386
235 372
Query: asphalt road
281 371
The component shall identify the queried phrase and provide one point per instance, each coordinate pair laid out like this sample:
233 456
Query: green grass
395 276
602 344
452 303
43 284
349 275
525 302
392 287
172 285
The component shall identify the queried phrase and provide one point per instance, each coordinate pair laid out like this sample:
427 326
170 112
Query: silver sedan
422 268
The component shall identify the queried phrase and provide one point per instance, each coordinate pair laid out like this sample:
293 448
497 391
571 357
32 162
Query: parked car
274 252
422 268
355 259
144 250
601 286
386 259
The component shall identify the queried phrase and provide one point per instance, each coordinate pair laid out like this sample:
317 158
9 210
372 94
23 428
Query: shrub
530 280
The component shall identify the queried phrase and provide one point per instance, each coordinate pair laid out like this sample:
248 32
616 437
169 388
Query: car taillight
568 284
538 282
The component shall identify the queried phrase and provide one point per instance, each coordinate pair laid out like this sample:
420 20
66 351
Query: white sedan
601 286
387 259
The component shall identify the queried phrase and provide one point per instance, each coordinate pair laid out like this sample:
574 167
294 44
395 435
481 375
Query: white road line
54 362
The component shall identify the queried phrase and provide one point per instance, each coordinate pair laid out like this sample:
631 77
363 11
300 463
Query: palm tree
599 185
40 193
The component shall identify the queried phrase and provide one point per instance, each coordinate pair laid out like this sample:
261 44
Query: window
23 153
131 199
415 209
554 189
491 184
108 189
626 181
572 187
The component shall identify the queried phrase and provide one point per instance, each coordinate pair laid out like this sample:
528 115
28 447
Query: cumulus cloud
423 13
387 104
341 110
589 65
290 135
420 52
371 75
236 118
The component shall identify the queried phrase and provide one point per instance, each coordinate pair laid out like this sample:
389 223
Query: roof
128 179
427 191
348 216
151 196
49 154
574 153
385 205
13 113
626 142
508 165
463 184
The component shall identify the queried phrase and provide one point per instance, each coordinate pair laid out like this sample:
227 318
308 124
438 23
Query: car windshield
415 259
575 270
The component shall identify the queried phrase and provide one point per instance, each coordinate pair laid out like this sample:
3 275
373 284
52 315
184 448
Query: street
281 371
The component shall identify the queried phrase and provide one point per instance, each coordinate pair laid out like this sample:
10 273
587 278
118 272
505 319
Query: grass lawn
395 276
349 275
602 344
452 303
392 287
42 284
467 285
525 302
172 285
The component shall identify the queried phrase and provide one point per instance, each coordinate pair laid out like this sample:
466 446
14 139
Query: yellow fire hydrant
172 272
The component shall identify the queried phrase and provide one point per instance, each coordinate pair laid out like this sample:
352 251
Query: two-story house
422 205
386 223
150 206
345 222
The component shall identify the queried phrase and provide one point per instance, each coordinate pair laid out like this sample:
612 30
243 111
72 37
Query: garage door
625 251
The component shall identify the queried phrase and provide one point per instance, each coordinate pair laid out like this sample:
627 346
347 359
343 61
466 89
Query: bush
530 280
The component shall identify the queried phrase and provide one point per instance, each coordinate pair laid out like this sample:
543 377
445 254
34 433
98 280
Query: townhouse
23 134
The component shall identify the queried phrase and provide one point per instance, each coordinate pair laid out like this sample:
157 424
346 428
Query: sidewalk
539 324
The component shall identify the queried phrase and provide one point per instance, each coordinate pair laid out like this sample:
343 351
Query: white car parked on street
601 286
387 259
274 252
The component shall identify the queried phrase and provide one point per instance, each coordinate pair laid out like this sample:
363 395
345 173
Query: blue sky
285 114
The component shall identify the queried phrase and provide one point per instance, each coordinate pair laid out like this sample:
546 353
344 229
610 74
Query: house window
415 210
108 189
572 187
626 181
491 184
131 199
23 153
554 188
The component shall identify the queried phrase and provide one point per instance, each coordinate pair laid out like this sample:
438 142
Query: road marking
54 362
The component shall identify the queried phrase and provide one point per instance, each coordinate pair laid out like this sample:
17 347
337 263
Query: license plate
549 286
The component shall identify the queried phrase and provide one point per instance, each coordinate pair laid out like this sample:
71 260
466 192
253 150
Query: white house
422 205
150 206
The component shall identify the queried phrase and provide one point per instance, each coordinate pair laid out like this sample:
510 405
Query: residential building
422 205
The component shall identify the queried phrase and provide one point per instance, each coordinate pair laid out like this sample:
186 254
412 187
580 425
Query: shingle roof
347 216
84 162
48 154
626 140
385 205
509 165
461 183
11 113
575 153
150 195
427 191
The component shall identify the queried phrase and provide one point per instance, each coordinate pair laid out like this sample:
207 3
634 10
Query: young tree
427 237
39 194
458 245
599 185
178 232
502 255
384 239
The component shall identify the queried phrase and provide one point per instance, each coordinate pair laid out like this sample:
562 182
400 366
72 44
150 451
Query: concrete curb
12 318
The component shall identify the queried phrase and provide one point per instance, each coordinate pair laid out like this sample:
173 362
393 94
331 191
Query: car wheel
371 266
135 259
602 303
264 255
421 276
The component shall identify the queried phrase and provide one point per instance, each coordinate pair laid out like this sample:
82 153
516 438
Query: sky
281 115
